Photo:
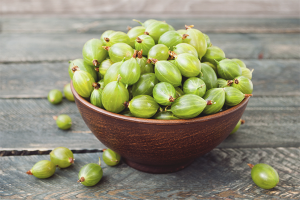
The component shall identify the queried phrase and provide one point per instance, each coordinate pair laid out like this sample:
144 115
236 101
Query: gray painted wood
175 8
97 25
27 124
220 174
35 80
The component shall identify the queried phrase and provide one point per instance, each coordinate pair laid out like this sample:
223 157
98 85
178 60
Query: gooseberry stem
134 53
29 172
54 117
75 68
188 27
96 85
210 102
138 22
242 121
236 81
97 69
99 161
106 39
173 54
81 180
95 62
250 165
229 82
171 99
184 36
248 95
129 28
140 54
139 40
126 104
119 78
106 48
71 160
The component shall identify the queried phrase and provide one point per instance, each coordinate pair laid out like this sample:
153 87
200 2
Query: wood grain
28 124
222 173
175 8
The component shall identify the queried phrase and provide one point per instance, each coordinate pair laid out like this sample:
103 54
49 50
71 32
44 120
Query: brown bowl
158 146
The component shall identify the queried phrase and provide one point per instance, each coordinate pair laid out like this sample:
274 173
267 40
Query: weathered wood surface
27 124
35 80
63 47
220 174
174 8
95 25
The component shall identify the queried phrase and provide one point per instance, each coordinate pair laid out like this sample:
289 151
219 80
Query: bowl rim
156 121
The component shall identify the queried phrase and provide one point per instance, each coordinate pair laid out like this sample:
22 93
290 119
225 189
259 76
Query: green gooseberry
96 95
106 34
55 96
146 23
237 126
207 40
143 106
214 67
165 115
101 83
130 71
93 53
197 40
185 48
83 66
68 93
90 174
134 32
114 95
223 83
246 72
172 61
159 52
188 64
116 37
112 73
82 82
42 169
179 92
209 76
145 43
167 72
145 85
195 86
264 176
182 32
127 113
238 61
110 157
156 29
228 69
119 51
171 39
62 157
215 98
234 96
104 66
164 93
213 54
188 106
63 121
244 84
146 67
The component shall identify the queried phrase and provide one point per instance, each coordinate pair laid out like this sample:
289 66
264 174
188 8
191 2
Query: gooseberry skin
104 66
237 126
165 115
55 96
42 169
130 72
64 122
207 40
96 97
217 97
228 69
186 40
127 113
233 96
159 52
170 39
144 42
119 51
145 85
134 33
113 96
188 106
110 157
164 93
238 61
195 86
168 72
213 54
90 174
116 37
68 93
156 29
246 72
264 176
244 84
197 40
83 83
179 92
93 53
83 66
105 34
145 66
209 76
62 157
143 106
214 67
222 83
112 73
185 48
188 65
101 83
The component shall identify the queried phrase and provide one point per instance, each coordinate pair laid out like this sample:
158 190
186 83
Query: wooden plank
27 124
265 8
35 80
220 174
95 25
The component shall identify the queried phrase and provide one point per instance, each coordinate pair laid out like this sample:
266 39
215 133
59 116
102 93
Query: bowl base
158 169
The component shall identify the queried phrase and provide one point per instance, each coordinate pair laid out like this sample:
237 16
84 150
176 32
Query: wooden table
34 54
